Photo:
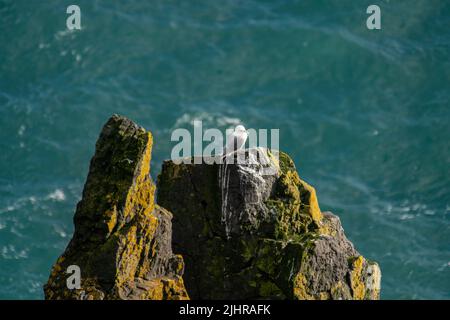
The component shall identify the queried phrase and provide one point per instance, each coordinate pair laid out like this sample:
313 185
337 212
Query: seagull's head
240 129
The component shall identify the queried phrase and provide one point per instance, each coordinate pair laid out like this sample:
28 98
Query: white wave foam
57 195
208 119
10 252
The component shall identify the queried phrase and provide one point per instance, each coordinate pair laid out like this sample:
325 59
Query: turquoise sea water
365 114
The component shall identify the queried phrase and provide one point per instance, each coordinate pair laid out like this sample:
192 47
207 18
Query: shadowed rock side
122 240
244 235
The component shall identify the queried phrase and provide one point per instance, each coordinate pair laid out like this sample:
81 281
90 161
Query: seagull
236 140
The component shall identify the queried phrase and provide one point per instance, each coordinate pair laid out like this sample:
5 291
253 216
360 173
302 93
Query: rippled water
365 114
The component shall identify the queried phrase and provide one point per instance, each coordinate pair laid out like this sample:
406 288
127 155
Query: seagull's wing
240 140
229 147
235 141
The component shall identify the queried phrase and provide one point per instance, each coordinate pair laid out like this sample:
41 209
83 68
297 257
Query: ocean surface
364 113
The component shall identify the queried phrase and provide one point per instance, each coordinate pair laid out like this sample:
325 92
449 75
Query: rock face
244 235
122 240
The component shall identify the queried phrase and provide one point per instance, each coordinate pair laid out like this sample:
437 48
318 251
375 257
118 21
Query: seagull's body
236 140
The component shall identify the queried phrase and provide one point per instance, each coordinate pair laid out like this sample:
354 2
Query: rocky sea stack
241 234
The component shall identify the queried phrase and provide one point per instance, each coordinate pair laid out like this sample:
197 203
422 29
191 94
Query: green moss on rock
276 243
122 240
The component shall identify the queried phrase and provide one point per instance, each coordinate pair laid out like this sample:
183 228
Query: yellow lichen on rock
122 240
140 198
309 196
300 288
357 285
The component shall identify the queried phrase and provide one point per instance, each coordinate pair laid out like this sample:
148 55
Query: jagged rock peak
122 240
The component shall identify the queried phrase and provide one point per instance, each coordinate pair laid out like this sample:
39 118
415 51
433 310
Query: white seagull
235 140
